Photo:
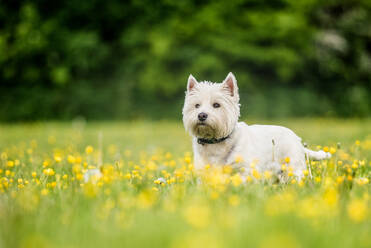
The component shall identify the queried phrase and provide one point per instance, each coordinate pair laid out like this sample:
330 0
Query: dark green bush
130 59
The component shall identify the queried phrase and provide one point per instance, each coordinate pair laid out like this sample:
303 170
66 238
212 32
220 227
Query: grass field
45 201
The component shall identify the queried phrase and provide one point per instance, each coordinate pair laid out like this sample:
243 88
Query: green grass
127 207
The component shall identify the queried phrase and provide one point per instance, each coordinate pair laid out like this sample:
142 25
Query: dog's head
211 110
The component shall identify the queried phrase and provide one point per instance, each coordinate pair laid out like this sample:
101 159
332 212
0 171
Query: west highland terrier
210 114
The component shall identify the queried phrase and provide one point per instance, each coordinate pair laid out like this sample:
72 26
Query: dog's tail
317 155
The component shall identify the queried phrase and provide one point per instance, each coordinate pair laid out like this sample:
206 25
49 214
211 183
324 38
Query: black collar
202 141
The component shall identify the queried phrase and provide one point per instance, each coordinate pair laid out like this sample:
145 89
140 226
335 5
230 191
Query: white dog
210 115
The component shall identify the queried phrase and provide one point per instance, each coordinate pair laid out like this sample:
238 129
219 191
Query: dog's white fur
263 147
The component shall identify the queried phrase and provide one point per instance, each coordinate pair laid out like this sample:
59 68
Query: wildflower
89 150
331 197
326 149
44 192
10 163
79 176
301 183
127 176
238 159
236 180
357 210
340 179
287 160
34 174
256 174
53 184
267 175
248 179
362 181
290 173
160 181
71 159
49 172
57 158
187 160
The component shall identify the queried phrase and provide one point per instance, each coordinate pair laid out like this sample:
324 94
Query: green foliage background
130 59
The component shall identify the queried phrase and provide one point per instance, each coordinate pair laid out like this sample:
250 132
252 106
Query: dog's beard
203 130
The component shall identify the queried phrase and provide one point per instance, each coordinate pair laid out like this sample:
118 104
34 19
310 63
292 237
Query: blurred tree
115 59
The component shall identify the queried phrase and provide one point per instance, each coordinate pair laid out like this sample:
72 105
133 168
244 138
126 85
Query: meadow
149 194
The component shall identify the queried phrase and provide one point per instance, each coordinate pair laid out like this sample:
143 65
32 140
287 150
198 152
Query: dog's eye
216 105
197 105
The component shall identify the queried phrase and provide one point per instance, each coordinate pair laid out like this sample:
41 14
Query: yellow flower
256 174
79 176
89 150
340 179
238 159
326 149
34 174
57 158
357 210
45 164
71 159
10 164
44 191
187 160
267 175
362 181
49 172
287 160
236 180
53 184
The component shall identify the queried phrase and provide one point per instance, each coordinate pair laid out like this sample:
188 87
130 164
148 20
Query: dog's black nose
202 116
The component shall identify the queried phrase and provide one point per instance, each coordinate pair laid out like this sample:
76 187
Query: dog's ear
230 83
191 83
